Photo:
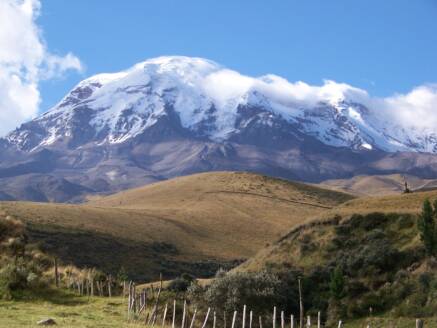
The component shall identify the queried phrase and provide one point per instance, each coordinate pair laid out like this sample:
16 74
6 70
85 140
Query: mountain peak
208 100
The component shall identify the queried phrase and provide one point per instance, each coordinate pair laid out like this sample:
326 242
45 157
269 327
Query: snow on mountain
207 98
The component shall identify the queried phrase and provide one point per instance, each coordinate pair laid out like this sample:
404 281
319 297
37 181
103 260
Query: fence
137 310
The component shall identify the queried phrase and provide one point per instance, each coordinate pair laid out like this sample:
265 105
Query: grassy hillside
401 203
374 242
379 185
408 204
190 224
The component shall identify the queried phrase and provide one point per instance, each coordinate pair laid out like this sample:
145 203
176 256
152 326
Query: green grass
70 310
67 309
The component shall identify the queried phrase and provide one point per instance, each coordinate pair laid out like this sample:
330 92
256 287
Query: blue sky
385 47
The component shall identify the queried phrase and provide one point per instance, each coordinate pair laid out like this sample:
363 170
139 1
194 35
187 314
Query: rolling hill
372 246
405 204
190 224
377 185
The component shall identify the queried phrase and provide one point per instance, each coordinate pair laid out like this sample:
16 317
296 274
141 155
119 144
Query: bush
21 265
336 284
18 274
181 283
259 291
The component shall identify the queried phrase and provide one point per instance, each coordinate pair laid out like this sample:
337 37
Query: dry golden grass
378 185
401 203
211 216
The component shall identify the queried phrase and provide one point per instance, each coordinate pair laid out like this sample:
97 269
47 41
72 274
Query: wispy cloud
24 62
415 110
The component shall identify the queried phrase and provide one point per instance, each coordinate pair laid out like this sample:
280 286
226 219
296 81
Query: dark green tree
427 227
337 284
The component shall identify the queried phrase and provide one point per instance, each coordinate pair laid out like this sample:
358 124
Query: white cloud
225 85
24 62
416 109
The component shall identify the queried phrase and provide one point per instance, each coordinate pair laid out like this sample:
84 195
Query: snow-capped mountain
171 116
208 100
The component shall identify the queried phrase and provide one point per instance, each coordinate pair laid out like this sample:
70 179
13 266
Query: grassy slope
324 243
280 251
179 225
378 185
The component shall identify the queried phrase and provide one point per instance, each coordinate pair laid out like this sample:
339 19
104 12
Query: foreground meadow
67 309
71 310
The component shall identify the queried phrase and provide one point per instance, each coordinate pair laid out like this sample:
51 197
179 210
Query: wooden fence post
214 320
233 319
134 298
129 301
110 286
301 309
173 323
419 323
244 317
206 318
56 273
194 318
292 321
260 322
250 318
88 288
274 317
154 314
282 320
319 320
164 315
183 314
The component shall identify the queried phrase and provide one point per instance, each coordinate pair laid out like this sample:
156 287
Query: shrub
259 291
21 266
18 274
181 283
336 284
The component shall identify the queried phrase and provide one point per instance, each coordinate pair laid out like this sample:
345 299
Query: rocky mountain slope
173 116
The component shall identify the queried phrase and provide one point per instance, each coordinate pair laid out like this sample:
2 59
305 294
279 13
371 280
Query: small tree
427 227
336 284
